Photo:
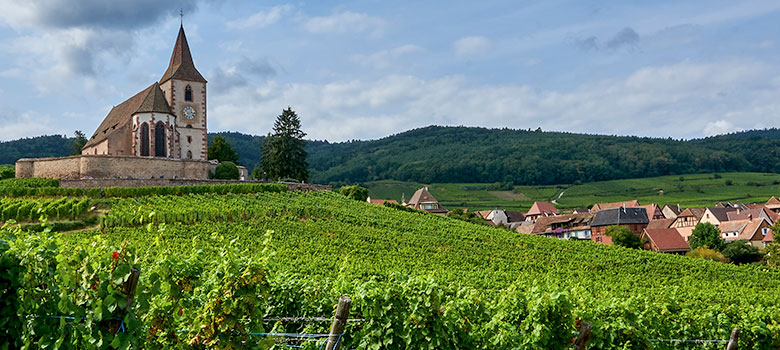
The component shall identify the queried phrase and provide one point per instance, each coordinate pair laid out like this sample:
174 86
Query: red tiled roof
601 206
660 224
542 208
382 201
773 203
768 237
667 239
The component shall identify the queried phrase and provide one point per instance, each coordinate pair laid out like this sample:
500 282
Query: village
666 229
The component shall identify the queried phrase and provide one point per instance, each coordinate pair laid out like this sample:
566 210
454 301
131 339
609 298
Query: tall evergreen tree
221 150
283 154
78 142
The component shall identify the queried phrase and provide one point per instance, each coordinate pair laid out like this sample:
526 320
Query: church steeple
181 66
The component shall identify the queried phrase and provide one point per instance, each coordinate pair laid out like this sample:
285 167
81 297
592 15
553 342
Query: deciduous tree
623 237
706 234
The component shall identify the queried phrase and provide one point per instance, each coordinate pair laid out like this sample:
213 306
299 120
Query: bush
7 172
708 254
622 236
354 192
741 252
716 176
729 182
227 171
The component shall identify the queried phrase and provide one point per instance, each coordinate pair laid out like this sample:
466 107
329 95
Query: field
692 191
418 280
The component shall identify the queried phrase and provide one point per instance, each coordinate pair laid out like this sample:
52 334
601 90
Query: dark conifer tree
283 154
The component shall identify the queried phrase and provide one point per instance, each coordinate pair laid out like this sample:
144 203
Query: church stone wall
76 167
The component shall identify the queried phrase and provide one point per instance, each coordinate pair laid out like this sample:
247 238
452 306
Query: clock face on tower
188 113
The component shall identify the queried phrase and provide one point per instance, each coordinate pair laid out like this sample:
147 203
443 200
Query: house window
598 239
764 231
188 94
144 140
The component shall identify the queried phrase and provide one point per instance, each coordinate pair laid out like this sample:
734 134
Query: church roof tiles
182 66
150 99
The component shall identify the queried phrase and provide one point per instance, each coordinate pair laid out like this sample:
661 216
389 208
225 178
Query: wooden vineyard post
128 288
733 340
582 339
339 323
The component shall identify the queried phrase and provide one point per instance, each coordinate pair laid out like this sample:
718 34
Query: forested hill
461 154
465 154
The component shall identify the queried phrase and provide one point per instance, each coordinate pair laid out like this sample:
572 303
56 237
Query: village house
635 219
716 215
752 213
671 211
753 230
423 200
569 226
653 211
379 201
687 220
767 239
666 240
773 204
540 209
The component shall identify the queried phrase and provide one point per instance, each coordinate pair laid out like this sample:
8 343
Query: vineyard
417 280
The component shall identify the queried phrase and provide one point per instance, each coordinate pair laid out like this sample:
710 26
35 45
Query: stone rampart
112 167
90 183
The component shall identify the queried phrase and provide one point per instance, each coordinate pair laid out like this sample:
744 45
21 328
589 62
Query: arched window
159 140
189 154
188 94
144 140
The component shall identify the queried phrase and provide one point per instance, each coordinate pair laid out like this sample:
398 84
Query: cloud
677 100
91 13
720 127
15 125
587 44
261 19
472 45
240 73
626 37
345 22
384 59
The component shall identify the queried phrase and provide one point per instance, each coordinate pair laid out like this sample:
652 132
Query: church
167 119
158 133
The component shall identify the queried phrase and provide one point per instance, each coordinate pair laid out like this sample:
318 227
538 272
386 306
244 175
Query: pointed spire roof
181 66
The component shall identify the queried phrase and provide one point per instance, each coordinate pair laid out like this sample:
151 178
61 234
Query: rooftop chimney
750 217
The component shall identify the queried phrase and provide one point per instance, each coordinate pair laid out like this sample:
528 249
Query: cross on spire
181 16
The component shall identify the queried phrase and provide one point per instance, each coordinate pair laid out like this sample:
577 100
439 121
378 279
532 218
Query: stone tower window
188 94
144 140
189 154
189 139
159 140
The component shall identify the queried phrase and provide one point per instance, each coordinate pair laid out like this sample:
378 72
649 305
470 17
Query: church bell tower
185 90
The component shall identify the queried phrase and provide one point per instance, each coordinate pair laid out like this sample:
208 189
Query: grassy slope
695 190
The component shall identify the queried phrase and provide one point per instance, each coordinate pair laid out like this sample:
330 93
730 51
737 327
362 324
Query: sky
369 69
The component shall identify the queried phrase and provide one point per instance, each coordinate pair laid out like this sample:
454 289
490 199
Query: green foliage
78 142
49 188
741 252
706 235
465 215
32 209
283 153
772 254
622 236
355 192
703 252
7 172
227 171
221 150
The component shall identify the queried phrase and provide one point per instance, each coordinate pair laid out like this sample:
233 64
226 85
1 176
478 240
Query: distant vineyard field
686 190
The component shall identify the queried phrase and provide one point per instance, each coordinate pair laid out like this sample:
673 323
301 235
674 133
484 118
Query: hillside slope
324 237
